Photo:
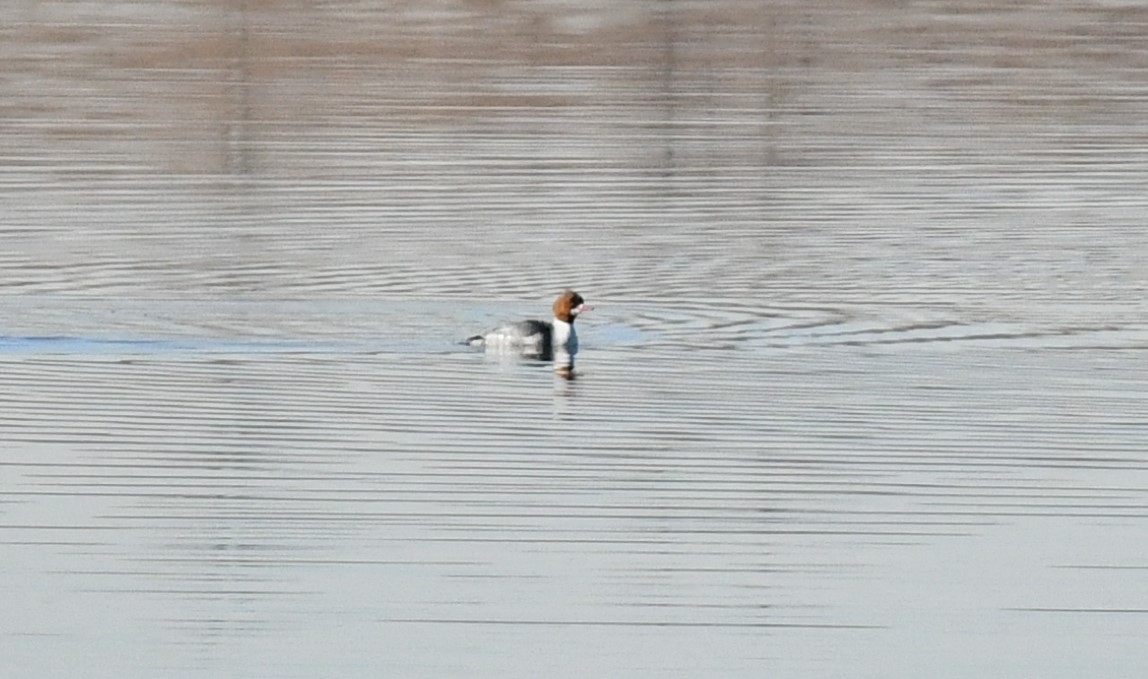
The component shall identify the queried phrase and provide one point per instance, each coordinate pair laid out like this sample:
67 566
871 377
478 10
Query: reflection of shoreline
248 71
675 66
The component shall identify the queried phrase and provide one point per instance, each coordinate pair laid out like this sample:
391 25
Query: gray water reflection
862 393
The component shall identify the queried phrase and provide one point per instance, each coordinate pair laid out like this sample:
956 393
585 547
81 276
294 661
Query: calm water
863 393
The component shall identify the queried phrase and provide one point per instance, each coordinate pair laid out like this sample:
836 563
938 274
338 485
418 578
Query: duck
554 340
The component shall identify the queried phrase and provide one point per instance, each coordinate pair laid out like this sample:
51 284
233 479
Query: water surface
863 392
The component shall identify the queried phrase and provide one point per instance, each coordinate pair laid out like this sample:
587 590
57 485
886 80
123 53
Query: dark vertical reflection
668 93
238 121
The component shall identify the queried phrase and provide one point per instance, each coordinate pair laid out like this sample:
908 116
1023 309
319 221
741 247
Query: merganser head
568 305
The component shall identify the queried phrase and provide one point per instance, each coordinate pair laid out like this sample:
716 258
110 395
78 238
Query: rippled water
863 392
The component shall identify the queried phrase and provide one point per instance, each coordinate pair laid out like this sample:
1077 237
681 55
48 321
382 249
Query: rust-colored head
568 305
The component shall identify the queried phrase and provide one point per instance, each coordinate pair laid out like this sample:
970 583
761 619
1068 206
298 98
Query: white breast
565 339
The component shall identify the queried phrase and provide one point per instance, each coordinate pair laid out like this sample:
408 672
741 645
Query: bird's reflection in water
564 364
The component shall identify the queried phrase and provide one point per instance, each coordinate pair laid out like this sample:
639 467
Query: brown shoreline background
214 87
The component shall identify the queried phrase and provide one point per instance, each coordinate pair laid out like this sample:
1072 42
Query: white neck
564 336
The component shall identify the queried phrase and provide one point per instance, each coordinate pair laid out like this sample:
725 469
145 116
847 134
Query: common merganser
538 339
